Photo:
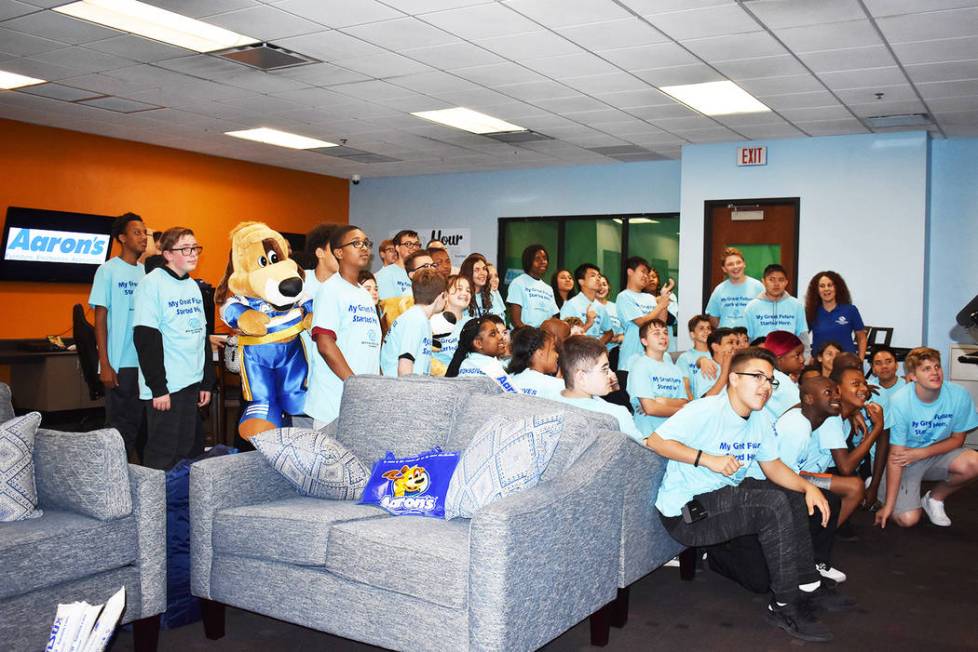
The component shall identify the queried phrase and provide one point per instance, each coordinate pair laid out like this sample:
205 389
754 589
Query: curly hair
813 300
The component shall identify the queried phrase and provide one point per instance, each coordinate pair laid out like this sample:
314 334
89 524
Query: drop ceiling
582 72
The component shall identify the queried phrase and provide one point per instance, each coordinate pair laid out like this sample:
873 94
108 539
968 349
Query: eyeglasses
425 266
188 251
410 244
760 378
385 250
359 244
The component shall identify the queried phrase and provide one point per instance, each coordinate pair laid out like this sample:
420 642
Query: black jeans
172 434
123 409
777 517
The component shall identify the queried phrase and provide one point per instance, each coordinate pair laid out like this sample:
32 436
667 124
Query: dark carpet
917 590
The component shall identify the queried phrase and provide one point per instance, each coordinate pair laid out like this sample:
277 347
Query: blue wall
953 248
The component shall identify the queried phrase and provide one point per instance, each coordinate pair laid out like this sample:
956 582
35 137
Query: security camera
355 179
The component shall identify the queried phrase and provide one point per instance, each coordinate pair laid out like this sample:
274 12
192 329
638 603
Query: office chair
84 336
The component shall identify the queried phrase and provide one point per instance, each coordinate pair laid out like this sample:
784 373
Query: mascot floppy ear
222 292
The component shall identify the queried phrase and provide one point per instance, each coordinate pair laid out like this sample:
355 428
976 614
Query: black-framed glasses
425 266
359 244
759 378
188 251
410 244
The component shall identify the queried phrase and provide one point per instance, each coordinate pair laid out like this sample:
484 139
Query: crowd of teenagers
773 434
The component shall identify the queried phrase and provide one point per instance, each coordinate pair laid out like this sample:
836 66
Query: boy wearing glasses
707 498
392 279
388 254
170 334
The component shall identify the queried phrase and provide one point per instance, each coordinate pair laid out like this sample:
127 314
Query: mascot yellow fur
262 299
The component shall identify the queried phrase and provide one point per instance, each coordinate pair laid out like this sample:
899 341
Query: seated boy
706 496
407 347
789 358
721 343
929 420
868 441
700 328
655 384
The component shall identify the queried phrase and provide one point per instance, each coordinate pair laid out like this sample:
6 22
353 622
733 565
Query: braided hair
466 337
524 342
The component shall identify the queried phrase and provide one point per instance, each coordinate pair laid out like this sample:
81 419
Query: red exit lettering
752 156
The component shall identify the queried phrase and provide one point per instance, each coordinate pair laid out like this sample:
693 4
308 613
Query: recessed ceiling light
157 24
716 98
469 120
280 138
10 80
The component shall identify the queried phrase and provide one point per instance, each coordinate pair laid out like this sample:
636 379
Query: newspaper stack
81 627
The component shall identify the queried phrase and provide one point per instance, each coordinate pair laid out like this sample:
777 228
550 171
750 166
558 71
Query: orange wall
42 167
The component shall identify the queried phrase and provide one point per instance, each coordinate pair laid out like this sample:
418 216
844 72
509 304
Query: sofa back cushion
404 415
6 406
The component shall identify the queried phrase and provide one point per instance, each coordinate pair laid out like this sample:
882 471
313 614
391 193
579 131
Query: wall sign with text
747 156
457 241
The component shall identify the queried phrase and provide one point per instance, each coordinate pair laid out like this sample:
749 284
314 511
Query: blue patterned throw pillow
315 463
504 457
18 493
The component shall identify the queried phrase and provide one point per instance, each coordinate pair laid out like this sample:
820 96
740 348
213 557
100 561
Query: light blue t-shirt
763 316
632 305
449 342
410 334
711 425
534 383
885 393
828 437
535 298
651 378
175 308
348 311
392 281
916 424
616 326
794 436
700 383
114 288
577 306
310 287
728 301
595 404
857 437
477 364
497 308
687 362
785 396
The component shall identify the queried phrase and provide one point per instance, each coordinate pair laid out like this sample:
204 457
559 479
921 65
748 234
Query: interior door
766 230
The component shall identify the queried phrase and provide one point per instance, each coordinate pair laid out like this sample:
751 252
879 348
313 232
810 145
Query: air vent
355 155
628 153
900 120
265 56
517 137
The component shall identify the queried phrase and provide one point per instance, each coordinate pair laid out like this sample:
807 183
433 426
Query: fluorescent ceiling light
716 98
10 80
280 138
469 120
157 24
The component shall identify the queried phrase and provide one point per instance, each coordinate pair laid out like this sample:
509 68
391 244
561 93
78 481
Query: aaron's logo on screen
43 246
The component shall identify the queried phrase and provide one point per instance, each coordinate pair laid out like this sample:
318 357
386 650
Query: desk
46 381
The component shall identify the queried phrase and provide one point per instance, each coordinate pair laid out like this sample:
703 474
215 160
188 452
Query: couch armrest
148 488
83 472
545 558
645 544
219 483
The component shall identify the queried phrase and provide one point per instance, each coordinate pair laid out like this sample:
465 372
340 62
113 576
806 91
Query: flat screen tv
53 246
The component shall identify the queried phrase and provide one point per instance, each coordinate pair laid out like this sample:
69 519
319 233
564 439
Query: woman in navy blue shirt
832 316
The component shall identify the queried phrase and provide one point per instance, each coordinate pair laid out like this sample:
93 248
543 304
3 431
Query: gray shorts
933 469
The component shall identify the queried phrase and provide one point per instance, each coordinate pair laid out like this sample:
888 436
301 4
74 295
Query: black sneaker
827 597
799 621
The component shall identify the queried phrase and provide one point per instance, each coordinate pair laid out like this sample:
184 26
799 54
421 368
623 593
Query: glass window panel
657 241
519 235
595 241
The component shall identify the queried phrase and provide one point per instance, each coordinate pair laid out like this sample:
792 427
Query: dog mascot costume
263 300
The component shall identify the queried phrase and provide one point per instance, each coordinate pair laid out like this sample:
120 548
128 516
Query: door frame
708 207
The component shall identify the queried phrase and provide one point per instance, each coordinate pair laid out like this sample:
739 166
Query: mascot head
260 267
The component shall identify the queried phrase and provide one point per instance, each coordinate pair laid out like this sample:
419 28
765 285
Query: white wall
863 214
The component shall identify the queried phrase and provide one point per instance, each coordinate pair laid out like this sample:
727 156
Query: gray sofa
520 573
103 527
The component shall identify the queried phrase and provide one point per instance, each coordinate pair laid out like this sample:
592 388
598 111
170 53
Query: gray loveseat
524 570
103 527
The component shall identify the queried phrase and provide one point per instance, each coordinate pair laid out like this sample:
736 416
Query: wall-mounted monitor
53 246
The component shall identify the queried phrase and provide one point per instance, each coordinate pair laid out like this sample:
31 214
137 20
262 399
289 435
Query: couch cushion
61 546
316 464
291 530
6 406
403 415
425 558
18 492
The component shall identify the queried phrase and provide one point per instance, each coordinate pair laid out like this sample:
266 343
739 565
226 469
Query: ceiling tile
696 73
714 134
498 74
948 89
372 90
930 25
647 96
887 108
832 127
953 49
781 85
199 8
82 60
261 82
570 65
401 34
38 69
685 123
644 57
953 104
119 104
477 99
896 7
761 67
778 13
627 32
948 71
873 56
415 7
59 92
646 7
759 132
848 34
703 22
339 13
568 12
798 100
614 82
24 45
656 112
529 45
836 112
597 117
896 92
453 56
202 65
137 48
12 9
574 104
383 65
864 78
58 27
264 23
330 46
481 21
320 74
434 82
738 120
735 46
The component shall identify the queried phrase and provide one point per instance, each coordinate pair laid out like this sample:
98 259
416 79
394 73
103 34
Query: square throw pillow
504 457
18 492
315 463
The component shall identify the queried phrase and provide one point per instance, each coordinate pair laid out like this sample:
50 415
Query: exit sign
752 156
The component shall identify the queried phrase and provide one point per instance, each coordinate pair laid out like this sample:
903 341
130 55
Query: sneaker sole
773 619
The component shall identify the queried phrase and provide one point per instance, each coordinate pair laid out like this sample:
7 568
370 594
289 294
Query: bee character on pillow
262 299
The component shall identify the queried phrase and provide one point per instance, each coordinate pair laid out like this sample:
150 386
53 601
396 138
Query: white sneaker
935 510
672 563
831 573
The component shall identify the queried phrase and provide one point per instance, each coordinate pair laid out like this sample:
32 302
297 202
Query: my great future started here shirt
348 312
916 424
392 281
535 298
763 316
114 289
577 306
174 307
631 305
711 425
729 300
409 337
649 378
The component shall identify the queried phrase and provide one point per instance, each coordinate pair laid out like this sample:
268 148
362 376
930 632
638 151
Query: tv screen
54 246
